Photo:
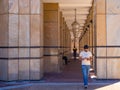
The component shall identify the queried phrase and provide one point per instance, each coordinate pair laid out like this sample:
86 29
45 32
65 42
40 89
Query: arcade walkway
69 79
70 73
35 35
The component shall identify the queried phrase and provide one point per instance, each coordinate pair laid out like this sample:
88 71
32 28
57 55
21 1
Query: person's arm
90 58
80 58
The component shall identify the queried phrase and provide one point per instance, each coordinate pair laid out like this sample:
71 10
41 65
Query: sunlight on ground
93 76
115 86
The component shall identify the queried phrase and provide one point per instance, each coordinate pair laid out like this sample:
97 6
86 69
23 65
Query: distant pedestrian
85 57
74 53
65 59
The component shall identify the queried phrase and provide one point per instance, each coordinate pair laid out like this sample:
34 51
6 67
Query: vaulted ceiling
68 6
68 9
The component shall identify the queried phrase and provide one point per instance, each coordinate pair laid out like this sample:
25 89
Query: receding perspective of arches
36 34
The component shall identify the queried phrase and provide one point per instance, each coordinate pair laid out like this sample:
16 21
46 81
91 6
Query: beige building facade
34 35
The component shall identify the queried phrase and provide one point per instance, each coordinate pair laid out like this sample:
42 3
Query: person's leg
87 73
66 62
88 69
74 56
84 72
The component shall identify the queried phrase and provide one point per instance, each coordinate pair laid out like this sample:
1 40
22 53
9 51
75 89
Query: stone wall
113 35
20 29
107 33
3 38
56 38
100 38
51 37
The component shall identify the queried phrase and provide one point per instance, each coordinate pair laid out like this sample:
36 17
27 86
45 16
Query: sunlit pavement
63 86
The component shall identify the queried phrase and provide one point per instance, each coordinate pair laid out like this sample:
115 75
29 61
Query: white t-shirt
84 54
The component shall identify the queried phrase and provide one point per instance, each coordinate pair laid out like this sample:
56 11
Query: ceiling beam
75 5
69 1
72 17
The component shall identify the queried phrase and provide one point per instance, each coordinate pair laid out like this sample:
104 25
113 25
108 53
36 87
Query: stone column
68 41
86 37
61 41
77 45
20 57
101 38
4 39
82 40
24 38
113 35
91 36
51 37
108 34
64 36
36 40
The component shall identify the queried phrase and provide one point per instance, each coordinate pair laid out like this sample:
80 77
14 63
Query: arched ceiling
68 6
82 7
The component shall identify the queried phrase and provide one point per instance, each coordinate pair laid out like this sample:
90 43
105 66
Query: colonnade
34 36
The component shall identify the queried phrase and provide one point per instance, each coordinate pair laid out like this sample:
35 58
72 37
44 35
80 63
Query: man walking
85 57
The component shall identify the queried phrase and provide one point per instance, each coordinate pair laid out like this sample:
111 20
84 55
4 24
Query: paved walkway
70 73
63 86
69 79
